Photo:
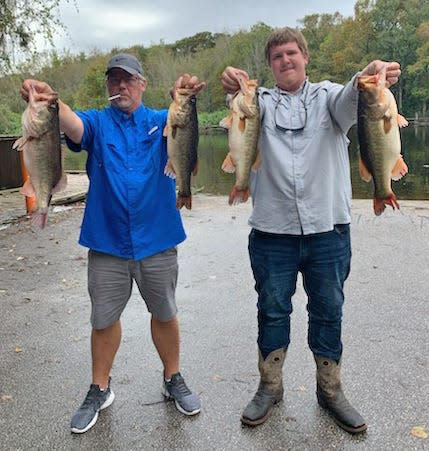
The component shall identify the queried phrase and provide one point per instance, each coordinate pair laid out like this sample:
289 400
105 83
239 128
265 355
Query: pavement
12 202
45 354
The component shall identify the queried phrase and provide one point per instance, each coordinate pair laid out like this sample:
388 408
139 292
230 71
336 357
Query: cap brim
125 68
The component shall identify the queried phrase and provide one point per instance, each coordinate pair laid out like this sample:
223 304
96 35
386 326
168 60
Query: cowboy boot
330 396
270 390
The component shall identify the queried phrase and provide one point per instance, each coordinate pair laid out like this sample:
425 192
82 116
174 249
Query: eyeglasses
303 124
129 80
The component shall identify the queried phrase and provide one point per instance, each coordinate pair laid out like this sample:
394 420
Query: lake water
212 150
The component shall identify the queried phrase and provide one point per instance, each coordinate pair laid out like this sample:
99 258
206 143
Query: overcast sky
106 24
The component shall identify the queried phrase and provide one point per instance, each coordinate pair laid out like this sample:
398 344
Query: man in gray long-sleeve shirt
300 222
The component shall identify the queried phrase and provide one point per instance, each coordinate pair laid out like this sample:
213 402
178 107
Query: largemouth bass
243 125
182 143
43 159
379 139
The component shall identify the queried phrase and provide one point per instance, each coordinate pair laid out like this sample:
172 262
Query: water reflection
212 150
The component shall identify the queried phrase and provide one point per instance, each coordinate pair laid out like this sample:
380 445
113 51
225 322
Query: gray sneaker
186 402
87 414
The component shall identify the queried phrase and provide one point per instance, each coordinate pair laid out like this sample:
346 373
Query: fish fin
400 169
242 124
364 172
174 131
228 164
257 163
184 201
28 189
169 170
165 131
19 144
238 196
380 204
387 125
195 170
226 122
39 219
402 122
61 185
31 203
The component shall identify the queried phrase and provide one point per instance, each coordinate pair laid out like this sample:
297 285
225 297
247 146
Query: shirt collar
304 86
135 117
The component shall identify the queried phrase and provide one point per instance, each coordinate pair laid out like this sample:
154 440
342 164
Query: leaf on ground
419 431
6 398
218 378
18 349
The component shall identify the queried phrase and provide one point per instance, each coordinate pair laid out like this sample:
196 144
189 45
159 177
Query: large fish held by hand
243 126
182 143
43 159
379 139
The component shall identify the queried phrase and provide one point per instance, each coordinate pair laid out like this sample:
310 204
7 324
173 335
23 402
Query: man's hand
230 79
42 91
393 70
189 82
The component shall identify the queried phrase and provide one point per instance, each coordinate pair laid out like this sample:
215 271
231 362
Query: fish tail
238 196
380 204
184 201
39 219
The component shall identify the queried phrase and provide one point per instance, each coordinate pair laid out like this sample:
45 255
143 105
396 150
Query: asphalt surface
45 358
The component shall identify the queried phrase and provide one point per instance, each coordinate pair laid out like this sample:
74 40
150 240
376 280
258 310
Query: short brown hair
282 36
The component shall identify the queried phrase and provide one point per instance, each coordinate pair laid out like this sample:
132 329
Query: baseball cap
126 62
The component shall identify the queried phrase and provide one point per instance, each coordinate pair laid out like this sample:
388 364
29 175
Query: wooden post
30 201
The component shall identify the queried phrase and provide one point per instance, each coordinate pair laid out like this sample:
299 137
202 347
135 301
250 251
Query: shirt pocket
319 116
149 150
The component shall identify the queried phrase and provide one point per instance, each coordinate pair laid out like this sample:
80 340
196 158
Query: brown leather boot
331 397
270 390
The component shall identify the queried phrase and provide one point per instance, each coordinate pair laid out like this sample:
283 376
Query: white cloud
107 24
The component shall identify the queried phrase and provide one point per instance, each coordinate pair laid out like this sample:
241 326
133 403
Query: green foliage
339 47
10 122
247 52
419 71
21 23
194 44
91 92
212 118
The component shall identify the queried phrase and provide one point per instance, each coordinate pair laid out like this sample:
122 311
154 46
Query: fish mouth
367 81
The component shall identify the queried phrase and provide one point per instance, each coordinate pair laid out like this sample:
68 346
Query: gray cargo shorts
110 282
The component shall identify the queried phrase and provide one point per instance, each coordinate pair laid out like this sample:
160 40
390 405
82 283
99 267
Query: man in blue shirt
301 196
131 226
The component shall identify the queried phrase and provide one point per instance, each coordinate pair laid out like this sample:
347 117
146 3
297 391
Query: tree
419 71
395 23
21 23
323 33
196 43
247 52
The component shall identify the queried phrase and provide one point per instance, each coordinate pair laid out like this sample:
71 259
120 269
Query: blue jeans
323 259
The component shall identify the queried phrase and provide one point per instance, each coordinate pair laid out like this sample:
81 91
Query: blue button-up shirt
303 184
131 205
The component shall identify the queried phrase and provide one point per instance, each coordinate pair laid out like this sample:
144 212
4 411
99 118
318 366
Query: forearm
70 123
342 104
